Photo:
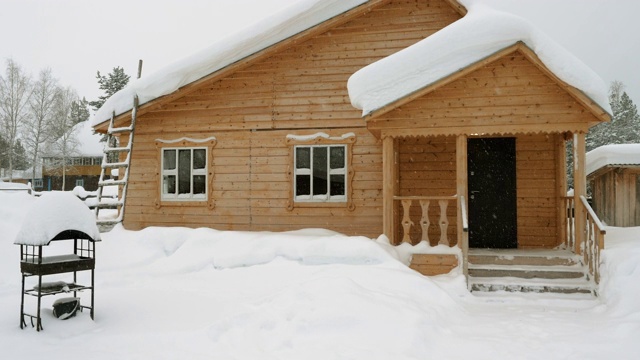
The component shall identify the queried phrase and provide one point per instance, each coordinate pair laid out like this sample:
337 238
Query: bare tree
15 90
64 143
41 109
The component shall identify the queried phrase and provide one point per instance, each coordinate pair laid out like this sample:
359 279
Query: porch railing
424 202
568 226
594 240
593 234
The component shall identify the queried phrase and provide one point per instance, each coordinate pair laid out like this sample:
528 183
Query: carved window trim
187 143
321 139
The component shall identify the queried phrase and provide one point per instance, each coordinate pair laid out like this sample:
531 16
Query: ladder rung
115 165
111 182
120 130
116 149
109 205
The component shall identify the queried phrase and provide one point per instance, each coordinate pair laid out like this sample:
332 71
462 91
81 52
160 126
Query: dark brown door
492 193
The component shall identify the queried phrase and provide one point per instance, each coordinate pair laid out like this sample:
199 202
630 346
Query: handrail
594 240
593 215
451 197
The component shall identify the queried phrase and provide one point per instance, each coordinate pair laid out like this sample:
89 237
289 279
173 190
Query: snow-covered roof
88 143
478 35
53 213
292 20
615 154
21 174
13 186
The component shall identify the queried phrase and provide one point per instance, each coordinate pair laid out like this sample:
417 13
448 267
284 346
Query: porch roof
480 35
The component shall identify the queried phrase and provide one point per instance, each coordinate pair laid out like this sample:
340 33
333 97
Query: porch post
561 186
389 180
461 181
579 188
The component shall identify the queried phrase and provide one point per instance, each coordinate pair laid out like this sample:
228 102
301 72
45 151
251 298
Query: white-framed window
320 173
37 183
80 182
184 174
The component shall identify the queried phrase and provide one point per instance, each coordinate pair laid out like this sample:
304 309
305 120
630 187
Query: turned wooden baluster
424 222
444 222
406 221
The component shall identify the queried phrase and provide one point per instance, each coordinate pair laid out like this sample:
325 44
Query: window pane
303 185
337 185
319 171
169 184
199 158
184 171
303 158
337 157
199 184
169 160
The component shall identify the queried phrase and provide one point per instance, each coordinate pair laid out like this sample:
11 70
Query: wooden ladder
113 159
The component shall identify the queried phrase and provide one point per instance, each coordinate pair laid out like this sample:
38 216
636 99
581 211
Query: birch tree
15 91
41 109
64 142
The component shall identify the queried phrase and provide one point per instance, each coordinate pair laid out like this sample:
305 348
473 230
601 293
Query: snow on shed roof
269 31
615 154
53 213
481 33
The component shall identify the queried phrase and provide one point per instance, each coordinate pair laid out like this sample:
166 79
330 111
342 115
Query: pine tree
110 84
624 127
80 111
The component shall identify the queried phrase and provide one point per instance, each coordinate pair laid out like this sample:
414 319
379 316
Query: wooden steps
528 271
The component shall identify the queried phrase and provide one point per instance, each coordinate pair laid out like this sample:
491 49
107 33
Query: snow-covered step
523 257
528 271
508 284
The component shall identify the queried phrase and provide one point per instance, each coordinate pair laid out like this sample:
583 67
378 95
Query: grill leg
23 324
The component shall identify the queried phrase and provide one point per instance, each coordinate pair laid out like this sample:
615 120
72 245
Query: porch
427 198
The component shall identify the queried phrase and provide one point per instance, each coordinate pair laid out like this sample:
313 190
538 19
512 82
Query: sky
76 38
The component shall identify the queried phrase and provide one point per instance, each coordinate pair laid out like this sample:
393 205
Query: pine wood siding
507 96
428 168
537 203
615 193
299 90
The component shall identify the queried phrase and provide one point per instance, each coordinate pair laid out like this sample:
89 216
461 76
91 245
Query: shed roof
612 155
482 33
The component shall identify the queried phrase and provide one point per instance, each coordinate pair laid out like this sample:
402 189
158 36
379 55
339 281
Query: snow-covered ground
176 293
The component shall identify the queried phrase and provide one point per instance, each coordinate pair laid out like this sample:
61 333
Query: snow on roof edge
289 22
481 33
612 154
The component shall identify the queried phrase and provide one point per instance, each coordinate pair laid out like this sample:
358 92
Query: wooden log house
272 142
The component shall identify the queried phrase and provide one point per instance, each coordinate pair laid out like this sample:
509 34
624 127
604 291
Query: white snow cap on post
292 20
481 33
53 213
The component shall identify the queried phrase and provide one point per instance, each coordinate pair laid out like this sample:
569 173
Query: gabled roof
293 21
480 35
612 155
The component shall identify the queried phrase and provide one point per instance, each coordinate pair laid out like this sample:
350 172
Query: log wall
508 96
536 161
300 90
615 196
